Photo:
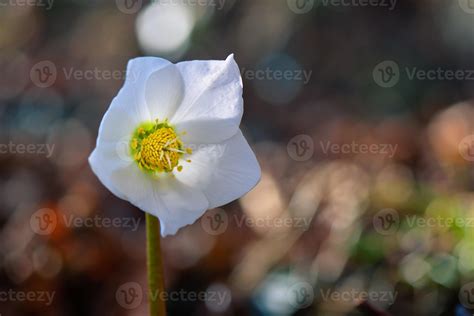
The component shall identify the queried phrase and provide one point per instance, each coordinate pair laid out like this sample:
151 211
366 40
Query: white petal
182 205
129 108
122 117
224 172
212 105
139 70
164 91
174 203
103 167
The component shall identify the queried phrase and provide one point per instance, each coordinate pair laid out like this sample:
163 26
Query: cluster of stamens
157 148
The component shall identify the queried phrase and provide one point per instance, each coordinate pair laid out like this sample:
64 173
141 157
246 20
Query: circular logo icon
129 295
467 6
466 148
129 6
386 221
43 74
215 221
466 295
300 148
300 6
386 74
122 148
43 221
300 295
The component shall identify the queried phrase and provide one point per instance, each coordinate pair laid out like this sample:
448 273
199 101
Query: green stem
154 266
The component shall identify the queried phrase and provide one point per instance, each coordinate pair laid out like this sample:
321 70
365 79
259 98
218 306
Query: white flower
170 141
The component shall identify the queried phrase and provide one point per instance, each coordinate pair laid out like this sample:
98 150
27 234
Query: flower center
157 148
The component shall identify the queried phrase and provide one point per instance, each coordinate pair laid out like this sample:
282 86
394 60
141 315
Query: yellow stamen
157 148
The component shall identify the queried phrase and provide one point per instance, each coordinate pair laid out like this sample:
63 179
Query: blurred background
360 113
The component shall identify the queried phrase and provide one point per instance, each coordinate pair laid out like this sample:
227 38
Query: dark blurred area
360 113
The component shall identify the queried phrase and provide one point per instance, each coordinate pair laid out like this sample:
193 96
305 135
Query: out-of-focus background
359 111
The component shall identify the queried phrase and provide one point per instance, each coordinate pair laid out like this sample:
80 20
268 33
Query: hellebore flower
170 141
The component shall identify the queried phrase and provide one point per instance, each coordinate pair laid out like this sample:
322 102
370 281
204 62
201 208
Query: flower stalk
154 267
